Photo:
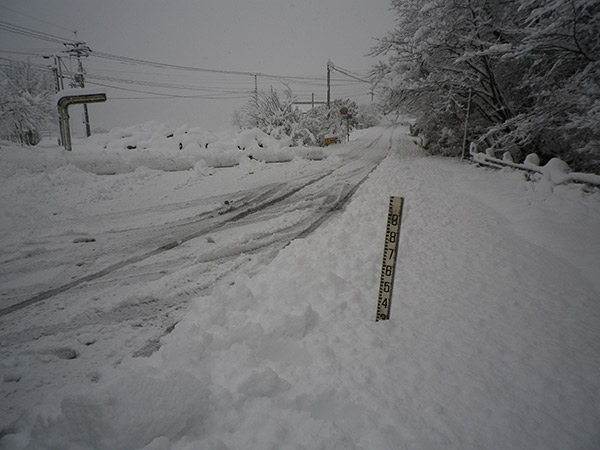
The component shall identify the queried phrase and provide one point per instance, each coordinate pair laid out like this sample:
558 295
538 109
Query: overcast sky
275 37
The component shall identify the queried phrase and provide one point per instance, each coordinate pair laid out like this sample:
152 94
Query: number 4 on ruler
390 253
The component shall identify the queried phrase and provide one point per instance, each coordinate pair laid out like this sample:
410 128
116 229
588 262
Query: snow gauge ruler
390 253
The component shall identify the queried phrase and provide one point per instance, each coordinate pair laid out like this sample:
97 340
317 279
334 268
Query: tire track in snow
163 248
232 215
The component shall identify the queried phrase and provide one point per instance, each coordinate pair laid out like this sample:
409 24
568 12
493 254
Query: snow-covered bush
280 118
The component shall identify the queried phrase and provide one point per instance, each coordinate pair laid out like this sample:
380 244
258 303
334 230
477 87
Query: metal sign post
348 119
390 254
346 116
66 98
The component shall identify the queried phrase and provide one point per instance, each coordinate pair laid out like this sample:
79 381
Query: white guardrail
556 170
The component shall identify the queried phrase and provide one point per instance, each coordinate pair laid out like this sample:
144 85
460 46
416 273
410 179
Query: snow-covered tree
442 52
530 68
26 102
270 112
560 47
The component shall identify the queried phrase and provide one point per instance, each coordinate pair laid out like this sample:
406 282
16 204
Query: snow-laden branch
556 170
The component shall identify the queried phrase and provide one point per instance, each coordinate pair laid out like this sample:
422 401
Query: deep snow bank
493 341
157 146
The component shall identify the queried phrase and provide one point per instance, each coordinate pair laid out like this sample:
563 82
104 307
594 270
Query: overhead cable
206 97
12 28
128 60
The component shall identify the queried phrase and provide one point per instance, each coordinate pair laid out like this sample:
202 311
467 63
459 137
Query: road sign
344 111
390 253
348 116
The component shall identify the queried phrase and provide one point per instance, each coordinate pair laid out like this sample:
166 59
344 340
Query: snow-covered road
120 239
94 282
493 343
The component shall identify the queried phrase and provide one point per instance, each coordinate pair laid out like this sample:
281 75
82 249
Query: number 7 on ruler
390 253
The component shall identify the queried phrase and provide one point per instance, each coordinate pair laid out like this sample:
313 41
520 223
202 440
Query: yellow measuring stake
390 253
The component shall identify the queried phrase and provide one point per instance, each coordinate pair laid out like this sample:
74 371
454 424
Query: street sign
330 140
348 116
344 111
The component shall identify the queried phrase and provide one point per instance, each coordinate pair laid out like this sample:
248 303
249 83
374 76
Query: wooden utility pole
328 84
86 114
464 145
79 49
256 88
59 85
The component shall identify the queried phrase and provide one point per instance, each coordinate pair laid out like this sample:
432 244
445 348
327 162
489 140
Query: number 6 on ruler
390 253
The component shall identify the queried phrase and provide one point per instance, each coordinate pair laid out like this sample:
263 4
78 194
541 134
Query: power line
220 88
12 28
205 97
315 81
125 59
348 73
38 67
15 52
158 84
344 88
36 18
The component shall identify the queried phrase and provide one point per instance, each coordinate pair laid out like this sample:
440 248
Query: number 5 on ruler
390 253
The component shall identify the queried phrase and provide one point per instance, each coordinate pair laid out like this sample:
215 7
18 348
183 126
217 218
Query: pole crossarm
309 103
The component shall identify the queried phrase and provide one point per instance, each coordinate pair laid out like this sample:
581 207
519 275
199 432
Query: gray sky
277 37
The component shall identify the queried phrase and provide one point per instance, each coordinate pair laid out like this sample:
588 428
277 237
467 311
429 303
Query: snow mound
156 146
556 171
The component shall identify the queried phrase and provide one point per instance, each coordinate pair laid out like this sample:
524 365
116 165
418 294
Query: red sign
344 111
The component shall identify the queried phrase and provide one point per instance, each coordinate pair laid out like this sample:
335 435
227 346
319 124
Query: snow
500 48
493 342
556 171
78 92
532 161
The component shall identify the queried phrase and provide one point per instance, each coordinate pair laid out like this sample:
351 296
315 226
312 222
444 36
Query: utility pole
55 72
60 81
256 88
462 156
79 49
256 97
328 84
59 85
